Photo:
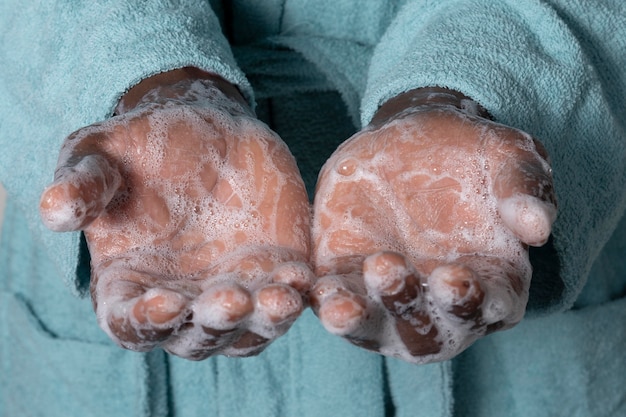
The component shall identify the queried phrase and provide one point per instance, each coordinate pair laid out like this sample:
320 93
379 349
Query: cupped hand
196 218
421 227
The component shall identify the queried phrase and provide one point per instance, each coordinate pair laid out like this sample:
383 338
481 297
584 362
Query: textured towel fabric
55 361
555 69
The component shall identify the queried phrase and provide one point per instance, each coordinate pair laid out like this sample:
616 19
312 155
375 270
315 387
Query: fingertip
385 273
295 274
159 306
279 302
528 217
79 193
222 306
390 278
342 313
499 309
62 210
323 289
456 288
143 323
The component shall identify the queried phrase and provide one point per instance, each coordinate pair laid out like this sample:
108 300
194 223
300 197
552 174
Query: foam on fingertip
295 274
341 314
59 212
159 307
528 217
222 306
385 273
457 290
79 194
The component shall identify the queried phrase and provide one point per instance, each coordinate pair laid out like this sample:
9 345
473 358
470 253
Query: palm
196 193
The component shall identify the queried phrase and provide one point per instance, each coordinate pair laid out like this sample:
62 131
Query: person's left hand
421 227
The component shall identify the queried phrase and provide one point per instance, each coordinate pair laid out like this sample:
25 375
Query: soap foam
97 183
528 217
374 172
237 225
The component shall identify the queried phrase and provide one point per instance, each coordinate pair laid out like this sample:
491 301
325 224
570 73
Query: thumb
84 184
526 199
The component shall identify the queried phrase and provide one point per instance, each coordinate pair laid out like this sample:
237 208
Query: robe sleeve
65 64
555 69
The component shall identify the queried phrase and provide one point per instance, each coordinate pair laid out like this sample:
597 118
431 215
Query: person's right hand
196 217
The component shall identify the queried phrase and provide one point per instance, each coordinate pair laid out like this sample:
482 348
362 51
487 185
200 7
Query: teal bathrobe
317 71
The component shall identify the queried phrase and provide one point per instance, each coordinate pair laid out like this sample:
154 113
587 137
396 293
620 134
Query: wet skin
198 223
196 217
421 226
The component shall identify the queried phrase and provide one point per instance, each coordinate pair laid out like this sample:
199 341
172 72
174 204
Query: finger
277 305
297 275
136 317
525 193
224 312
339 302
222 307
456 288
528 217
344 313
390 277
83 186
216 321
195 346
324 288
487 291
196 343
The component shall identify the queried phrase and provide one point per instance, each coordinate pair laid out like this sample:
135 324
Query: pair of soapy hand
202 240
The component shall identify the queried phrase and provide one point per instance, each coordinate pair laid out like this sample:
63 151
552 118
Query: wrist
176 85
426 97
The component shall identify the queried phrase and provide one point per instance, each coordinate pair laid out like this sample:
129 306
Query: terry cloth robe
318 70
